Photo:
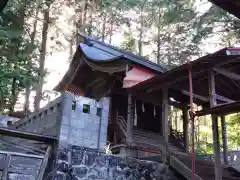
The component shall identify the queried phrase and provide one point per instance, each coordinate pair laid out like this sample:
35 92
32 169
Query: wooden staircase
146 139
205 168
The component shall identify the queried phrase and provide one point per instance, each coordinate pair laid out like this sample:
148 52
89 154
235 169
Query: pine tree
41 71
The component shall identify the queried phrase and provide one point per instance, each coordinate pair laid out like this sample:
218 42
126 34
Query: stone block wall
84 128
87 164
43 122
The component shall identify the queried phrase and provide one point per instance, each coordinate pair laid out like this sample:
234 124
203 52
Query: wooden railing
23 164
233 157
182 168
19 165
140 137
122 125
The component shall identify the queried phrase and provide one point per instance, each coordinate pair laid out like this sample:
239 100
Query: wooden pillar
224 140
165 127
114 120
129 118
216 144
185 128
6 167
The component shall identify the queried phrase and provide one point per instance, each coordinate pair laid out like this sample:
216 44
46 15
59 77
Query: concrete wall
81 128
90 165
71 125
43 122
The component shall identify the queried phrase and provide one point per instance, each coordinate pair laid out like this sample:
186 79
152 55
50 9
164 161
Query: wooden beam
227 73
163 83
202 98
21 146
44 163
165 127
213 103
27 135
206 99
6 167
224 140
224 109
129 118
22 154
224 99
228 61
216 144
182 169
96 81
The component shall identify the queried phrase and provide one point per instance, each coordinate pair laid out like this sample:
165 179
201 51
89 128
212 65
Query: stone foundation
75 163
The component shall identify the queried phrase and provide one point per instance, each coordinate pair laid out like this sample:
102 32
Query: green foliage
17 67
204 143
129 42
233 129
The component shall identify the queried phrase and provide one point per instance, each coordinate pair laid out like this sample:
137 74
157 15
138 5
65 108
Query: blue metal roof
95 50
96 54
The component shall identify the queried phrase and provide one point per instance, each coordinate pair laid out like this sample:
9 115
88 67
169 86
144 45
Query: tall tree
15 53
32 39
141 28
104 26
41 71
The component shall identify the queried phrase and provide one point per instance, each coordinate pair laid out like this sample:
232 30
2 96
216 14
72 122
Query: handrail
182 168
122 125
233 157
121 119
146 137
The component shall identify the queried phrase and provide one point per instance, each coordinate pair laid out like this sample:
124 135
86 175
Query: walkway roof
231 6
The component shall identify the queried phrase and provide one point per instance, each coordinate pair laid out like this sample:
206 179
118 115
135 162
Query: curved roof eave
102 52
97 55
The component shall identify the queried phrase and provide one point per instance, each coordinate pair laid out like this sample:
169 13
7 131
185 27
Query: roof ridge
128 53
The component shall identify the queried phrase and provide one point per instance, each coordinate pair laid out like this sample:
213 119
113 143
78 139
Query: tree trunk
104 26
158 36
141 31
42 61
14 87
79 20
13 95
85 15
111 28
71 42
90 19
32 37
